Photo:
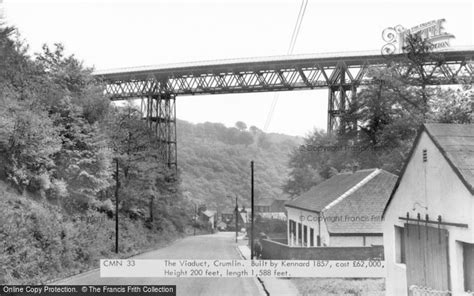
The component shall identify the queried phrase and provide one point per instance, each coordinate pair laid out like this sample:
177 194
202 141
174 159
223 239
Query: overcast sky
114 34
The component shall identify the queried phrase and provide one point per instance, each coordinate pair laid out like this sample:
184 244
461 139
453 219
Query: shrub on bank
38 242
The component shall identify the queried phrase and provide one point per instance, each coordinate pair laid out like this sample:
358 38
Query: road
215 246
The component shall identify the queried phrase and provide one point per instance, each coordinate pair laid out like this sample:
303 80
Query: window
299 233
399 244
425 155
468 256
305 235
292 228
311 237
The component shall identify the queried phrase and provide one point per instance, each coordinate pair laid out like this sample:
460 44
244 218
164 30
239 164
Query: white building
209 217
343 211
428 224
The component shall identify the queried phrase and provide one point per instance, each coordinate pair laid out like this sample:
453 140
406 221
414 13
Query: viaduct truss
340 73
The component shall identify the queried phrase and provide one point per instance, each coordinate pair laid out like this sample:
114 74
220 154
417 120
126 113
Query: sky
108 34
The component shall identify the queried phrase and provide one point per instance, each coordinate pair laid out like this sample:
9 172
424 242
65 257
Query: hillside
215 162
66 157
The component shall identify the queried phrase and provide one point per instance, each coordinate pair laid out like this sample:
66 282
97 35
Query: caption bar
242 268
124 290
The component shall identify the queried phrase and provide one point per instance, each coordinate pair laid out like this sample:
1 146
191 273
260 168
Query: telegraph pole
252 209
195 218
236 219
117 185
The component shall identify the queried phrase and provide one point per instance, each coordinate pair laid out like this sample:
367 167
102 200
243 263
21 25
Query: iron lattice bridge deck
340 73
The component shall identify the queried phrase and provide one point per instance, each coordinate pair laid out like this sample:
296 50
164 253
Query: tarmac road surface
214 246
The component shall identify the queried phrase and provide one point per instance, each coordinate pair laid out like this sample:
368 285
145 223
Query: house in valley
271 208
209 217
228 217
428 226
263 205
343 211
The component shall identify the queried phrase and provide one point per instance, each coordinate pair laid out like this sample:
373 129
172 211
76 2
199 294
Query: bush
41 242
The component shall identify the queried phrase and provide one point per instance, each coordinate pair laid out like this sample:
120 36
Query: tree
263 141
28 137
83 160
386 121
70 78
146 182
32 142
400 99
384 118
255 130
75 103
313 162
241 126
452 106
245 138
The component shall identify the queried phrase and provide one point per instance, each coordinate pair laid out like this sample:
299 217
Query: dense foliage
66 150
215 162
40 242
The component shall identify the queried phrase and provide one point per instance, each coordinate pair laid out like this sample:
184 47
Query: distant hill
214 161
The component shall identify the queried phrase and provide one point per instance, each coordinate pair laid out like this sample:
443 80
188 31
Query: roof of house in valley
456 144
209 213
361 211
263 202
324 193
350 203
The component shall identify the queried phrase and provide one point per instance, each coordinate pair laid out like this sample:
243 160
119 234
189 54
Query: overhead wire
294 37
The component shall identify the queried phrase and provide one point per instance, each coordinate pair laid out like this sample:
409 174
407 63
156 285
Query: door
468 252
427 262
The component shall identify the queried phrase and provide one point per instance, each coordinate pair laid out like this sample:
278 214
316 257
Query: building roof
264 202
209 213
361 211
456 144
324 193
350 203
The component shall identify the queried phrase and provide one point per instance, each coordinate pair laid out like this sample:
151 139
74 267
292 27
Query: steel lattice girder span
269 74
341 74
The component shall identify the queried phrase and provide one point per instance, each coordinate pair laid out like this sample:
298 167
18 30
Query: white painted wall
355 241
433 184
347 241
310 219
373 240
